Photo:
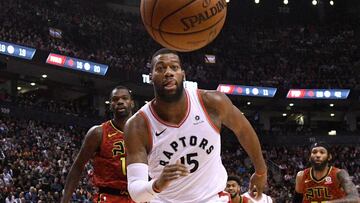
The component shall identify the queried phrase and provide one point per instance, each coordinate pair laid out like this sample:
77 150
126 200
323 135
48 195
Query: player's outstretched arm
222 111
352 195
137 139
138 145
89 146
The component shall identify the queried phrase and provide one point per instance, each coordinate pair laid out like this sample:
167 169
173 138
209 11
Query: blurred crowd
43 101
89 31
283 56
35 158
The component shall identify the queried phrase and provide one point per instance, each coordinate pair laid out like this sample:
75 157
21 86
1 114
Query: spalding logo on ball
183 25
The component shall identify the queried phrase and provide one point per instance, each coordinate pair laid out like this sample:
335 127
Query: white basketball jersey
264 198
196 143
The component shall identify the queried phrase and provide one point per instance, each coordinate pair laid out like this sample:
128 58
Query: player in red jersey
322 183
233 187
105 145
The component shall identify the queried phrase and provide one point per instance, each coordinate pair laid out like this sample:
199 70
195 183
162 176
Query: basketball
183 25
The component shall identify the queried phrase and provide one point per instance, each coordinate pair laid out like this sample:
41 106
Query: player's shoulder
212 97
301 173
211 93
341 173
94 134
336 169
96 129
137 121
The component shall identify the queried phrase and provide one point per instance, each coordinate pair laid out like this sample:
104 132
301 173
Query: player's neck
236 199
119 123
318 174
171 112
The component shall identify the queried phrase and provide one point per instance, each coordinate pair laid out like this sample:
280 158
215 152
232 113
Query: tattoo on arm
349 187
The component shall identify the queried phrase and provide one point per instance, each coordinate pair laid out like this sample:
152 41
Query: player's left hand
257 185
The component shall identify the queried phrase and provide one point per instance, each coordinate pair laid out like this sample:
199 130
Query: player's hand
257 185
170 172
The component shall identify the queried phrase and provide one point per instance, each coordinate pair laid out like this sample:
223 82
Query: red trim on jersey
149 129
206 113
169 124
225 194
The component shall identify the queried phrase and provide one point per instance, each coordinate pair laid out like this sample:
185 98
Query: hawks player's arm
89 147
349 188
299 187
222 111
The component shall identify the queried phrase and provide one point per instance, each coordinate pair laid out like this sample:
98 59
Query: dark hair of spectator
234 178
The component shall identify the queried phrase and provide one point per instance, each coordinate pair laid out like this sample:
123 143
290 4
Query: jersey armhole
206 113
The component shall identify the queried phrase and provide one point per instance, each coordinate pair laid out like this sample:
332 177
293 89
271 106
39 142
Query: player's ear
184 76
330 157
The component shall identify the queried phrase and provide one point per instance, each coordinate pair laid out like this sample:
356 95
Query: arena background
312 50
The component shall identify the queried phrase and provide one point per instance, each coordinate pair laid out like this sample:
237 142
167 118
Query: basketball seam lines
174 33
152 16
179 33
160 32
162 20
143 13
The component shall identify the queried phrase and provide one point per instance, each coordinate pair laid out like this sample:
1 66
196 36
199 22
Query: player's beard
161 93
319 166
122 114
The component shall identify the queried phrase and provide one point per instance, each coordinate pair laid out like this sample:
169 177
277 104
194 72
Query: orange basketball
183 25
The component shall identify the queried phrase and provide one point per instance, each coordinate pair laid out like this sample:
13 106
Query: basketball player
175 140
322 182
233 187
105 145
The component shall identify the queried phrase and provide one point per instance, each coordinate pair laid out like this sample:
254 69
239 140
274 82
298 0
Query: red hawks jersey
327 188
109 163
243 199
